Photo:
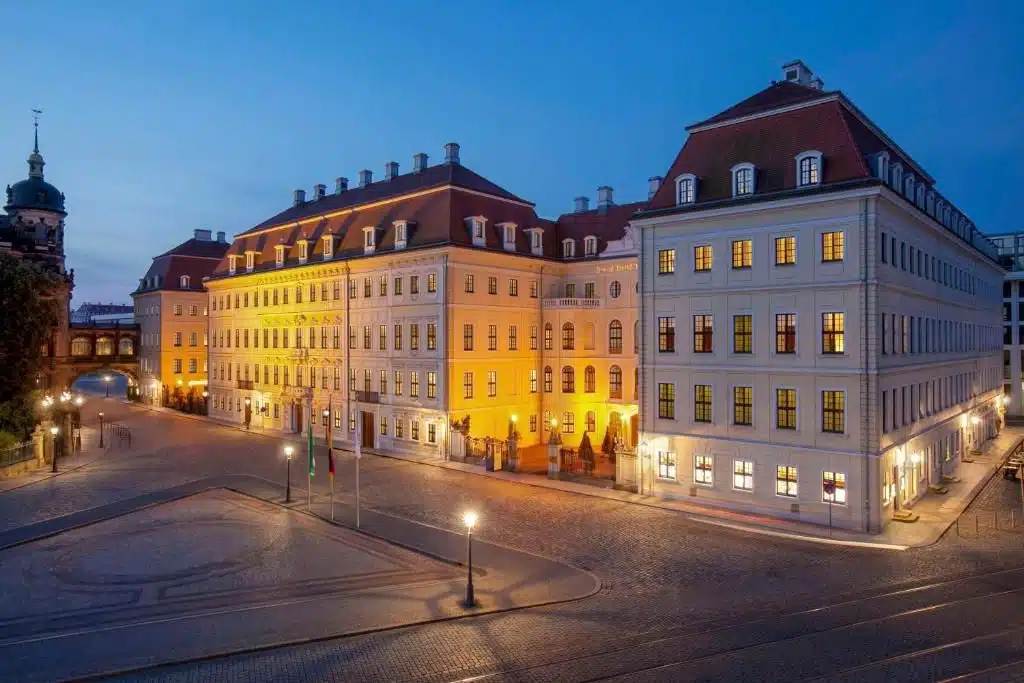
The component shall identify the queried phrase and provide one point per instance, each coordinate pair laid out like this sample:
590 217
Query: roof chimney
451 153
202 235
604 197
319 191
419 162
653 183
365 177
817 83
340 185
582 204
221 237
391 170
299 197
797 72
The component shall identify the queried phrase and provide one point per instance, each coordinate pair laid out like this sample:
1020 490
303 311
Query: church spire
35 159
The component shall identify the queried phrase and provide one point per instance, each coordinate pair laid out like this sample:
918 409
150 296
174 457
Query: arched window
549 336
568 248
104 346
548 380
808 168
184 281
742 180
615 382
568 380
568 337
590 379
686 189
126 346
590 246
81 346
615 337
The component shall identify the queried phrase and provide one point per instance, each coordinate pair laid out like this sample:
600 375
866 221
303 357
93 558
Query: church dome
34 193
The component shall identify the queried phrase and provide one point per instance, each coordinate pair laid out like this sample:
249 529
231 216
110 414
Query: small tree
29 297
586 452
608 445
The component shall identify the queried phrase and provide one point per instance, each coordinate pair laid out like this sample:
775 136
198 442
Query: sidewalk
89 454
937 512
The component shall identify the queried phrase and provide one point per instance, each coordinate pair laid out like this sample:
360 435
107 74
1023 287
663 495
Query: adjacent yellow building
405 304
171 310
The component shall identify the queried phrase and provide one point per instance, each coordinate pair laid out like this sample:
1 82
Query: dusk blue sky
162 117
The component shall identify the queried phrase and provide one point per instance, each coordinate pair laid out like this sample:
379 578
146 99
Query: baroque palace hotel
408 303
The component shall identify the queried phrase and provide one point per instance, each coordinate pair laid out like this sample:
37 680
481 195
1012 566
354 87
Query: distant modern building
88 312
821 327
171 309
1011 256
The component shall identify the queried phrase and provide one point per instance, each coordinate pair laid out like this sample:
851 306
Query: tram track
626 660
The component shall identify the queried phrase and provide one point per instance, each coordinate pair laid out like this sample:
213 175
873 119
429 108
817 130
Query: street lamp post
288 451
106 384
54 430
248 411
469 519
206 402
101 429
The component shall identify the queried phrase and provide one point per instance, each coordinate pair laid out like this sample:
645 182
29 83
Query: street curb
975 492
542 483
690 516
597 584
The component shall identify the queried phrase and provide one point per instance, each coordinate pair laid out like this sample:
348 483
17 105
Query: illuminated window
785 481
742 254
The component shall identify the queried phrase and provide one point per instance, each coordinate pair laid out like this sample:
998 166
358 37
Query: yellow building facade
407 304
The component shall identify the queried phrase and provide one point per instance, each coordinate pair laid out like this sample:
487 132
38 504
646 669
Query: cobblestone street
663 579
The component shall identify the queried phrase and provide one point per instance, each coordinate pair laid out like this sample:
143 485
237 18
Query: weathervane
35 122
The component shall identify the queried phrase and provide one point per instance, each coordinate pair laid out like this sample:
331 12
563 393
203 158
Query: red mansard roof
195 258
775 96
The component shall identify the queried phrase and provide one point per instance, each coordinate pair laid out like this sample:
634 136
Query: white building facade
821 331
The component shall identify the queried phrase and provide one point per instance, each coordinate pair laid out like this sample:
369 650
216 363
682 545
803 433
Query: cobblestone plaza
677 600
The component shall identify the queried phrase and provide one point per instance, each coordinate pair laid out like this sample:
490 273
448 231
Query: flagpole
330 454
359 456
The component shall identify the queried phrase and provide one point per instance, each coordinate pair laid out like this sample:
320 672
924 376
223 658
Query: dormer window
568 248
477 227
250 261
590 246
231 264
742 180
882 168
808 168
184 281
897 177
930 206
328 244
401 234
508 236
686 189
921 196
908 186
369 239
536 241
279 255
303 251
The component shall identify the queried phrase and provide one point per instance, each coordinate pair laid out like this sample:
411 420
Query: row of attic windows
476 224
744 178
